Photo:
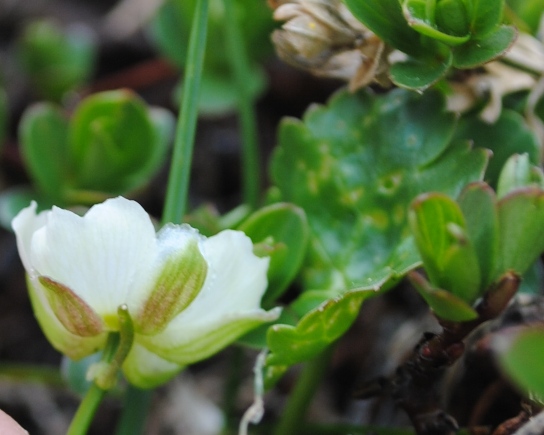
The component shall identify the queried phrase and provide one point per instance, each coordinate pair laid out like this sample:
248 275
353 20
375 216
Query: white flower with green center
188 296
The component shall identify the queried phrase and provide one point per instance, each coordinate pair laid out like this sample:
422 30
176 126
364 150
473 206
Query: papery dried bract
322 36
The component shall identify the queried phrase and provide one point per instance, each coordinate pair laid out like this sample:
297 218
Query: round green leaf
478 51
287 228
521 354
111 138
521 223
43 133
419 74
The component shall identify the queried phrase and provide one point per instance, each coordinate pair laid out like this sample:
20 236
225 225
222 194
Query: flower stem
292 418
239 62
180 168
87 408
85 413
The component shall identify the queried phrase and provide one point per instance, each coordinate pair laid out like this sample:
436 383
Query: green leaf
14 199
56 60
111 139
74 373
444 304
287 227
44 138
419 74
518 172
521 220
456 20
507 136
448 254
293 344
521 354
478 204
478 51
354 167
486 16
385 19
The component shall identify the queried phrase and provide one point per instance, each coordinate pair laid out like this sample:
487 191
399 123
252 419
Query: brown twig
415 385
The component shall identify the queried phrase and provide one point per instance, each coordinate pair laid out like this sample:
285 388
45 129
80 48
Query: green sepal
521 223
478 204
448 254
179 282
444 304
287 226
72 311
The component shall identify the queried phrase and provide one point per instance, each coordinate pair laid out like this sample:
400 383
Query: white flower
188 296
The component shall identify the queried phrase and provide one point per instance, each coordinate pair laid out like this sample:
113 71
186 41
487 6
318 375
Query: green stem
87 408
137 401
180 168
90 403
236 53
292 418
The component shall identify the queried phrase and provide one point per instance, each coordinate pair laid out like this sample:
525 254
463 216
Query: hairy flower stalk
324 38
187 296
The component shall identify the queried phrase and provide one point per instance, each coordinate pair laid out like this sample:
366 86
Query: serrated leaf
478 51
354 167
293 344
478 204
444 304
448 254
419 73
521 224
44 139
287 227
507 136
385 19
521 353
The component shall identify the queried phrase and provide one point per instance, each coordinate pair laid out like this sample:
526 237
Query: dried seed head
324 38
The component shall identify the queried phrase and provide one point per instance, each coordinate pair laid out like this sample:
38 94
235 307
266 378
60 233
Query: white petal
227 306
74 346
103 257
144 369
25 224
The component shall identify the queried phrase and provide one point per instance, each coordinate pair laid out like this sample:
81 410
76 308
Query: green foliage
436 34
56 60
354 166
507 136
170 31
521 353
282 230
466 246
112 145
